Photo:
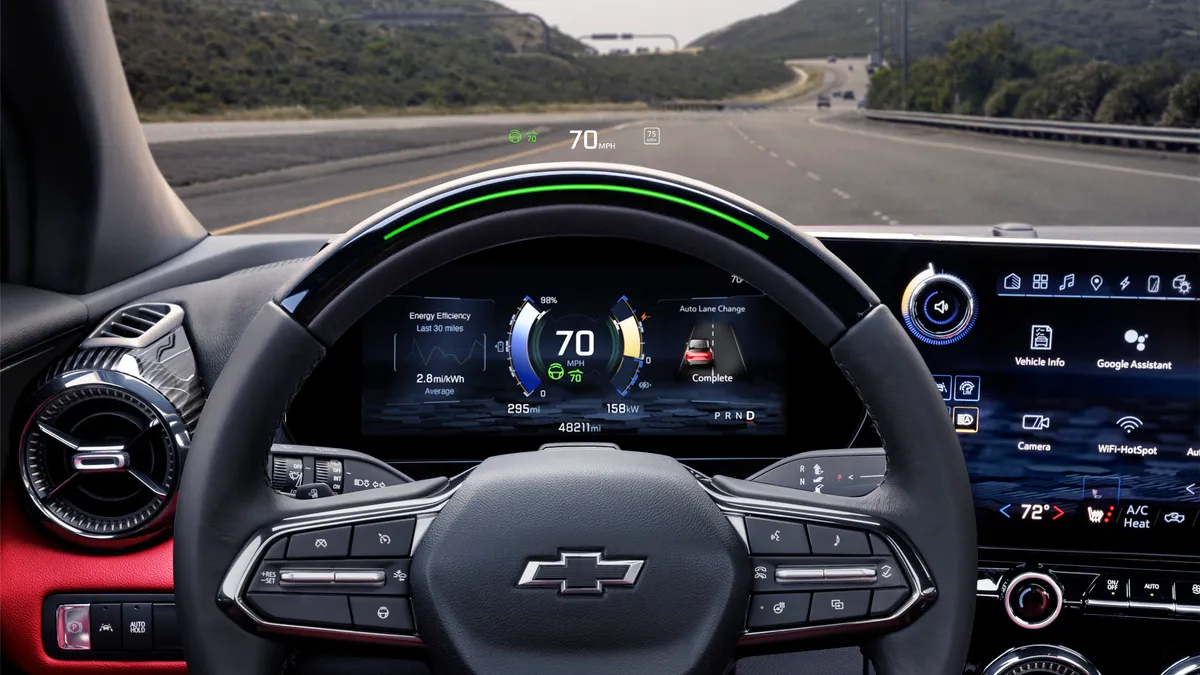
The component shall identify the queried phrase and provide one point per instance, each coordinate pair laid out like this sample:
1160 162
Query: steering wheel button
888 574
306 610
395 580
839 605
331 543
776 537
382 613
886 600
835 541
778 610
391 539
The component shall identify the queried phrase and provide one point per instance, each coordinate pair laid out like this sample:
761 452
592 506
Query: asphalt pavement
815 168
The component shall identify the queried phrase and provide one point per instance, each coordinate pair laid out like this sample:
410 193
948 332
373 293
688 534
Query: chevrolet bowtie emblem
581 573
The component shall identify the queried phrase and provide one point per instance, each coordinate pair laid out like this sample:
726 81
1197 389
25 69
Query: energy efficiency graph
440 346
477 350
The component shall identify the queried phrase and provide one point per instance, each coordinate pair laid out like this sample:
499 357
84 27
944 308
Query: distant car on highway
862 104
832 59
836 94
823 102
698 353
848 94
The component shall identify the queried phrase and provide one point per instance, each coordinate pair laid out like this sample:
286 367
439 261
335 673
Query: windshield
698 344
306 116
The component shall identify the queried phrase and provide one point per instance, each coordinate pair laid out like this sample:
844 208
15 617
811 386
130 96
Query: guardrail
708 105
1123 135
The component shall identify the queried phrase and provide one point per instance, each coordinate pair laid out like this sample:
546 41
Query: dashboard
1071 373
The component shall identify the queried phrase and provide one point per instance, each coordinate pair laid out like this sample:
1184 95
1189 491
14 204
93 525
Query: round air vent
101 456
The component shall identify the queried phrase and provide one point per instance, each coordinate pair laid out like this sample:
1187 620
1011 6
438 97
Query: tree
1183 108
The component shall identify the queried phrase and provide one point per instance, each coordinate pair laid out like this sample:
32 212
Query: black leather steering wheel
668 555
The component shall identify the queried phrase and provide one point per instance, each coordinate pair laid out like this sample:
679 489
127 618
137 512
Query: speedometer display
586 350
544 345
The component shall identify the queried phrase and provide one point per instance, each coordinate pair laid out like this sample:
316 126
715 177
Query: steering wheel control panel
111 627
812 574
349 577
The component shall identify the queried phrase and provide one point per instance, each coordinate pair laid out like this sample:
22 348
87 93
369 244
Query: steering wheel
575 560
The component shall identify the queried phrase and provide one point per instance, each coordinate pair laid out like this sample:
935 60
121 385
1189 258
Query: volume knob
938 308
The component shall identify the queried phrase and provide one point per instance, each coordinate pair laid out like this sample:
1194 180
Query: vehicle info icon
651 136
1041 338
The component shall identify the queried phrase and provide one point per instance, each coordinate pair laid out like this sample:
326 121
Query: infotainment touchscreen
1073 379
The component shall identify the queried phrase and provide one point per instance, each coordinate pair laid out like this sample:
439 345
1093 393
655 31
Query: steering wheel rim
225 502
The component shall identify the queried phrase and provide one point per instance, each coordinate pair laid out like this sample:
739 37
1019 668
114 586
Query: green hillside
212 56
1123 31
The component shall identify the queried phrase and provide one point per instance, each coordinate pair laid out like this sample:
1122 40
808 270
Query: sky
685 19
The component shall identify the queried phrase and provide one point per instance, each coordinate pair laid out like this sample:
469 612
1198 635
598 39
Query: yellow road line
398 186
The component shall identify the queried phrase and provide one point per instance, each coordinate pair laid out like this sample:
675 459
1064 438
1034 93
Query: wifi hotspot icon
1129 423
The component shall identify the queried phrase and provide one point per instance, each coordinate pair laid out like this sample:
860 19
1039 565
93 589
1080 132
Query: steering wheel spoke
821 566
336 568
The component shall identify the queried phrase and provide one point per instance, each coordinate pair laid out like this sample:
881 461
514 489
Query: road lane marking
813 176
877 213
774 154
841 193
790 163
1006 153
303 210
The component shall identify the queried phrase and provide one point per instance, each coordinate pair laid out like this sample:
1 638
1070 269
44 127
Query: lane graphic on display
713 347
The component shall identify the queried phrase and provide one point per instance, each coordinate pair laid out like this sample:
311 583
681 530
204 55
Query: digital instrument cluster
587 350
1072 377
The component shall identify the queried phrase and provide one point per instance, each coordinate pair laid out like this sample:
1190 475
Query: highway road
815 168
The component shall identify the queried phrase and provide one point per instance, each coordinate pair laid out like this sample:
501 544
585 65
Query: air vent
135 326
101 456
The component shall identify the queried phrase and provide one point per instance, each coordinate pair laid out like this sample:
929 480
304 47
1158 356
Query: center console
1072 375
